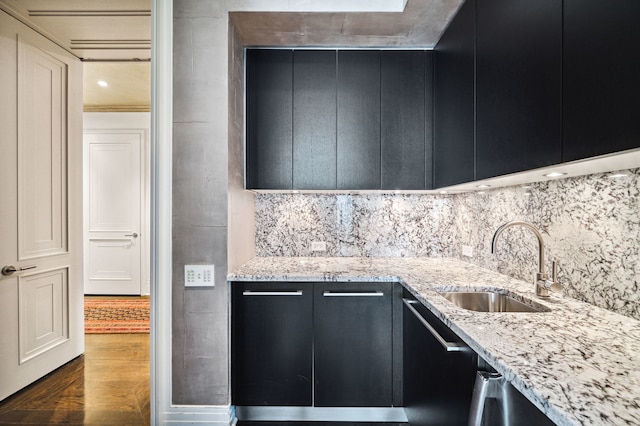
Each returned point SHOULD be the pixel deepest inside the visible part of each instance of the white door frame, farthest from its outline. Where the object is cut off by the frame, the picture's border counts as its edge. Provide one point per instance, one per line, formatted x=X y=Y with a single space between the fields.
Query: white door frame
x=101 y=121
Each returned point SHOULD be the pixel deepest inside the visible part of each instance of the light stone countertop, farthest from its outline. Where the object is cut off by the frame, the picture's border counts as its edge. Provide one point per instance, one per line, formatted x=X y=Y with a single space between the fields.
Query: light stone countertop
x=579 y=364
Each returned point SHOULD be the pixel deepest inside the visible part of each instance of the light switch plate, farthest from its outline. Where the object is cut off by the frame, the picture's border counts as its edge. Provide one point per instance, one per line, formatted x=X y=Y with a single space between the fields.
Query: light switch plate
x=318 y=246
x=467 y=251
x=199 y=275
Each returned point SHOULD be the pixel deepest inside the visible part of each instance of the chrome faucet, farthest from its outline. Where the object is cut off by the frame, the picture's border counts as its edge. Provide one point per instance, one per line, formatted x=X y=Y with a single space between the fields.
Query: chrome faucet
x=541 y=281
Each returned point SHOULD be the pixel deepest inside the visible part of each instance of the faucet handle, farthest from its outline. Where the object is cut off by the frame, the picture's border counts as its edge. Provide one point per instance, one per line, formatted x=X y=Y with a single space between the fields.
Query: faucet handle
x=553 y=284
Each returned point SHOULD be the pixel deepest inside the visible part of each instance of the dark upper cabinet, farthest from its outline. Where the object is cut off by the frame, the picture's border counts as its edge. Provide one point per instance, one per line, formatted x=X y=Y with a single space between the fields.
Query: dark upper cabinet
x=353 y=357
x=601 y=77
x=358 y=110
x=314 y=119
x=345 y=119
x=518 y=85
x=272 y=344
x=454 y=91
x=406 y=119
x=269 y=84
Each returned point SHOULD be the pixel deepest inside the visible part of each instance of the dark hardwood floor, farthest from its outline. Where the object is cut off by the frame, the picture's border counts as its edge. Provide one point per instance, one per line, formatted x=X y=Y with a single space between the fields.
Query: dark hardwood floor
x=108 y=385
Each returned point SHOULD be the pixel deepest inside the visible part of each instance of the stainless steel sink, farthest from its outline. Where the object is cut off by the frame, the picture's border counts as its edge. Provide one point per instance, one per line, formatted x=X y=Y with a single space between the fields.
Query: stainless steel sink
x=489 y=301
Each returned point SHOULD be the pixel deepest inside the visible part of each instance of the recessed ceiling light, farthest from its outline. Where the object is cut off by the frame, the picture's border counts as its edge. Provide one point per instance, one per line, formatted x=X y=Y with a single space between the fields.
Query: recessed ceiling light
x=443 y=192
x=554 y=174
x=483 y=186
x=102 y=83
x=617 y=175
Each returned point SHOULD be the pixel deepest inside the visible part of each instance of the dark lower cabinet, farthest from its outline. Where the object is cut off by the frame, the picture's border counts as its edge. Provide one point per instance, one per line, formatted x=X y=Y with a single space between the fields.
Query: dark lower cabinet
x=353 y=344
x=312 y=344
x=272 y=344
x=438 y=383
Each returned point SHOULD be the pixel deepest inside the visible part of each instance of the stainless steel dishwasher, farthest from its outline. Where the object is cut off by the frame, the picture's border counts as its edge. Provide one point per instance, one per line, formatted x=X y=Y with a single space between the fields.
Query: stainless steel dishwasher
x=496 y=402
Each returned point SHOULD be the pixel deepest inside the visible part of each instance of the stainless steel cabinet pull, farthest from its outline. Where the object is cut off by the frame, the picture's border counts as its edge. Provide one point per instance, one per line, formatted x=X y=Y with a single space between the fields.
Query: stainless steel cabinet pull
x=134 y=235
x=448 y=346
x=353 y=294
x=10 y=269
x=272 y=293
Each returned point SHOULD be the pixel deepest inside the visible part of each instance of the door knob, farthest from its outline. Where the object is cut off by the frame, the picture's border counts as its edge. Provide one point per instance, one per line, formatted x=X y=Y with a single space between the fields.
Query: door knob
x=134 y=235
x=10 y=269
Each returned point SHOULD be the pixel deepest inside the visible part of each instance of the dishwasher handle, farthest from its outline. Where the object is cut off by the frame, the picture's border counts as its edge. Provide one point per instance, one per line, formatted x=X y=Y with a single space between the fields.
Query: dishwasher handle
x=448 y=346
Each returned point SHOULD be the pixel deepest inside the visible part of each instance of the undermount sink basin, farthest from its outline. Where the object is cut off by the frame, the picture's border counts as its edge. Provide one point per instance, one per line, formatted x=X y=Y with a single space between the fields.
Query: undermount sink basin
x=489 y=301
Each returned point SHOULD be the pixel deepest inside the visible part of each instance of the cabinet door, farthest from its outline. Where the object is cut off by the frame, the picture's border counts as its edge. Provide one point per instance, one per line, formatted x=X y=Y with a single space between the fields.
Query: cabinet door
x=272 y=344
x=406 y=83
x=454 y=115
x=314 y=119
x=358 y=124
x=601 y=82
x=518 y=85
x=269 y=119
x=438 y=385
x=353 y=344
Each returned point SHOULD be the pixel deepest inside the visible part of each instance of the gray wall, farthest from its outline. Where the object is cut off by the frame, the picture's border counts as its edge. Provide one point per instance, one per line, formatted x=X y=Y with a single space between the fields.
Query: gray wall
x=213 y=217
x=200 y=202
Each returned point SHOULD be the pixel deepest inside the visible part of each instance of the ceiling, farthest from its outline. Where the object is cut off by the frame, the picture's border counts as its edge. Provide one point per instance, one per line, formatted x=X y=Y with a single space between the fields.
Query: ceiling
x=420 y=25
x=91 y=29
x=113 y=37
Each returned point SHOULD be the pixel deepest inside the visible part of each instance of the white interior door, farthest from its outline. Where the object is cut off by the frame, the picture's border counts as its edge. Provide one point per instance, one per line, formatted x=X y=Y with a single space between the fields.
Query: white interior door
x=41 y=305
x=113 y=211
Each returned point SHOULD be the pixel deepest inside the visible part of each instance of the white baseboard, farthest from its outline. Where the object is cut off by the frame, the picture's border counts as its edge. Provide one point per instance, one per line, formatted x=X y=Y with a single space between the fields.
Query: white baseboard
x=198 y=415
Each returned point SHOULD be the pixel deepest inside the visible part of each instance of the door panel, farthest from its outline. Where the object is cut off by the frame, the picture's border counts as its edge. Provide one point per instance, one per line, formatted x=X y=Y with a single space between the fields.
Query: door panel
x=41 y=307
x=43 y=312
x=114 y=211
x=41 y=158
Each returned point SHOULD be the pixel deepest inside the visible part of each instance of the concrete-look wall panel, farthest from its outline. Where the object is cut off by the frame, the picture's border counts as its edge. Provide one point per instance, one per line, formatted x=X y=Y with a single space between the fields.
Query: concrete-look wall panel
x=200 y=69
x=200 y=175
x=199 y=9
x=199 y=321
x=200 y=202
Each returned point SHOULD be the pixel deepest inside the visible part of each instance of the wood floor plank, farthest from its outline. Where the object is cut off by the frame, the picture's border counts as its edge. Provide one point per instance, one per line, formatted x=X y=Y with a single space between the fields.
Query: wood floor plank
x=108 y=385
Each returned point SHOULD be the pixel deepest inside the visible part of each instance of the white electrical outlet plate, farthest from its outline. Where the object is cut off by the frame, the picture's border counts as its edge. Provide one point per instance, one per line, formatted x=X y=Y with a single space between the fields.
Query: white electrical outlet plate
x=467 y=251
x=199 y=275
x=318 y=246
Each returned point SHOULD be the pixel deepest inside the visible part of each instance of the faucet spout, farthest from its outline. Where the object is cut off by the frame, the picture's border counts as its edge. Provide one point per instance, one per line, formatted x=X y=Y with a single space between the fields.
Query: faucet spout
x=534 y=230
x=541 y=281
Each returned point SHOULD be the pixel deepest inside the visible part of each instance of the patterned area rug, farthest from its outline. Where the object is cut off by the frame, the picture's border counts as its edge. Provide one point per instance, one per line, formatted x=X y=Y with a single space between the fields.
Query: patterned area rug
x=110 y=316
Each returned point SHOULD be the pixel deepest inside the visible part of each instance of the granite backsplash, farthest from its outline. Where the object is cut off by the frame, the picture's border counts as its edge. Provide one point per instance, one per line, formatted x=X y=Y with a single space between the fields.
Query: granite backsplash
x=590 y=224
